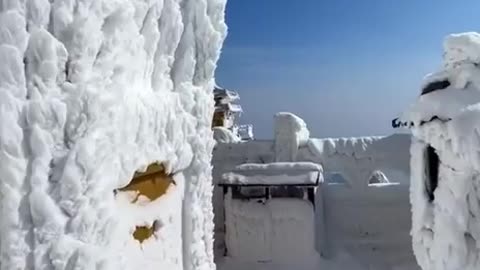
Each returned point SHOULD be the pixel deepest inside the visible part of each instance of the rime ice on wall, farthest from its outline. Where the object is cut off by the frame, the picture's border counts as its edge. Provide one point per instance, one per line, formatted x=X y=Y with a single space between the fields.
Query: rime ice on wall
x=90 y=92
x=445 y=178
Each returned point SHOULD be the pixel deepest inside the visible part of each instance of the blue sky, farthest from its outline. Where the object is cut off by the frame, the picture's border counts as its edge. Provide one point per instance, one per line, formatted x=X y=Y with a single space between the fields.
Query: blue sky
x=346 y=67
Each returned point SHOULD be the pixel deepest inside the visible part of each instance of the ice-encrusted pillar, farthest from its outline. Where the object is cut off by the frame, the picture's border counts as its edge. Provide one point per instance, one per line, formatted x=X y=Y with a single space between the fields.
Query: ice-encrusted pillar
x=290 y=133
x=92 y=91
x=445 y=160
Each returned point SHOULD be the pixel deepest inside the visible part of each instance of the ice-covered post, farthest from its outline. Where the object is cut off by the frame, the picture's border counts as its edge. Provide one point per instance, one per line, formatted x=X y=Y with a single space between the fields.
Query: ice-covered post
x=290 y=133
x=445 y=160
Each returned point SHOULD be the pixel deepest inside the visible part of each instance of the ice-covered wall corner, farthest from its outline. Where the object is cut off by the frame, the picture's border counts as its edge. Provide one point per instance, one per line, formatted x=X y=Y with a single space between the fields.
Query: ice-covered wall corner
x=445 y=163
x=90 y=92
x=291 y=132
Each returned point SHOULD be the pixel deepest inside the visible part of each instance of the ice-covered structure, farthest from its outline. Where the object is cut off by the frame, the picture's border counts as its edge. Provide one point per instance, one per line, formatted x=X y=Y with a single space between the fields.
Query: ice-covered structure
x=91 y=92
x=226 y=113
x=445 y=160
x=358 y=224
x=269 y=212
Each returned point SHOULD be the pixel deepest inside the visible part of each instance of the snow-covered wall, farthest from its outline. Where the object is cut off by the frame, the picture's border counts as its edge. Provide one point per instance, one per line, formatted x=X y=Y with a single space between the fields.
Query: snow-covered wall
x=90 y=92
x=445 y=160
x=357 y=158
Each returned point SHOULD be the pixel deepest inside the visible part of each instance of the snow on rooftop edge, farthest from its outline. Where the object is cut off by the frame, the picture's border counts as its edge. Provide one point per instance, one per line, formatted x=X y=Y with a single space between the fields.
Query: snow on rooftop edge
x=278 y=173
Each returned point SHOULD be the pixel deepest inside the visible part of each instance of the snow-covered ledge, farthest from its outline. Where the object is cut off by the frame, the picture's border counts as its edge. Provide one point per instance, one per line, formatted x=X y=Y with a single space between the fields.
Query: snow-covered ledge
x=278 y=173
x=290 y=133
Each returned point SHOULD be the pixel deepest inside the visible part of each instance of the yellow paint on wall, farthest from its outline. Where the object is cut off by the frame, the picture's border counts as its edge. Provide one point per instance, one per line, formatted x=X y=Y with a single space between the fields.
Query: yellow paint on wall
x=153 y=183
x=142 y=233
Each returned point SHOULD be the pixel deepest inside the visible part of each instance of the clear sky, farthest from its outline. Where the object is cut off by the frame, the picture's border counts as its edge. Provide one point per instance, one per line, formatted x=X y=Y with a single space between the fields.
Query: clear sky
x=347 y=67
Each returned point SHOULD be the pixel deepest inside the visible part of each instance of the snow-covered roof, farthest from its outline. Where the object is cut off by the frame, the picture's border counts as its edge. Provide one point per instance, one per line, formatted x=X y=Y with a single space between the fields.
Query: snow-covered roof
x=225 y=94
x=236 y=108
x=272 y=174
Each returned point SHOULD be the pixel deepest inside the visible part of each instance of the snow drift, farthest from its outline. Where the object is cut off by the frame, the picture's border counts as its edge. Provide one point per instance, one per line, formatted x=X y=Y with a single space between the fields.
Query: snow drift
x=445 y=160
x=90 y=92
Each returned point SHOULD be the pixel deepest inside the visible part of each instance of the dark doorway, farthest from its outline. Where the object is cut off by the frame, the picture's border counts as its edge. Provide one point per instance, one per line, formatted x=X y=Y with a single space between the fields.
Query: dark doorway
x=432 y=164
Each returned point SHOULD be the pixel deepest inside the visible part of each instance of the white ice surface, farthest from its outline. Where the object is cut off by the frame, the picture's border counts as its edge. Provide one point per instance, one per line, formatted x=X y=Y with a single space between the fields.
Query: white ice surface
x=280 y=230
x=91 y=91
x=224 y=135
x=291 y=132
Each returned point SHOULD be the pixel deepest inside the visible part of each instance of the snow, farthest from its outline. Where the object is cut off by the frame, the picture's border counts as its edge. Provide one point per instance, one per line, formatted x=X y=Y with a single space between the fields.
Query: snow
x=90 y=92
x=378 y=177
x=356 y=159
x=290 y=133
x=278 y=173
x=357 y=225
x=278 y=230
x=224 y=135
x=445 y=224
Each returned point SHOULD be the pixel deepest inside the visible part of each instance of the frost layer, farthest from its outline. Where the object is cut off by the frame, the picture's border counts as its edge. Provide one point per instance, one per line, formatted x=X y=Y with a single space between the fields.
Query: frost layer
x=446 y=222
x=90 y=92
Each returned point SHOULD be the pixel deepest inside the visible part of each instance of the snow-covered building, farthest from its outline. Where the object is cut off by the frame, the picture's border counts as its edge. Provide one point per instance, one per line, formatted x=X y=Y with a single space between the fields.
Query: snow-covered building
x=445 y=160
x=351 y=229
x=105 y=133
x=227 y=112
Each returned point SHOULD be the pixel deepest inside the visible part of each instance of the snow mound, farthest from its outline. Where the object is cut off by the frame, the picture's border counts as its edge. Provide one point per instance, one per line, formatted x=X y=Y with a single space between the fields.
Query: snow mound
x=279 y=230
x=290 y=133
x=279 y=173
x=90 y=92
x=224 y=135
x=378 y=177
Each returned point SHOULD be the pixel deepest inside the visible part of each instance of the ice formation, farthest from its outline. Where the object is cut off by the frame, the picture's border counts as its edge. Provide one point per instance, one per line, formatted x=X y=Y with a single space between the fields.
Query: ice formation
x=224 y=135
x=290 y=133
x=445 y=164
x=258 y=232
x=90 y=92
x=351 y=231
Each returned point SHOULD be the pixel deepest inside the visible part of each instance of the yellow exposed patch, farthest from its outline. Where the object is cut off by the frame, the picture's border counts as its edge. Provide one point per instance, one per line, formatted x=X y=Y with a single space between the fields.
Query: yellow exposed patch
x=142 y=233
x=153 y=183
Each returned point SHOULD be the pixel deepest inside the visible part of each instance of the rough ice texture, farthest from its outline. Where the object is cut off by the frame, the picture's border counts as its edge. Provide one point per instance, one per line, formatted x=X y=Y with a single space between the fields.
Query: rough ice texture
x=224 y=135
x=90 y=92
x=356 y=159
x=278 y=173
x=350 y=219
x=290 y=133
x=445 y=231
x=276 y=231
